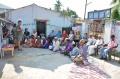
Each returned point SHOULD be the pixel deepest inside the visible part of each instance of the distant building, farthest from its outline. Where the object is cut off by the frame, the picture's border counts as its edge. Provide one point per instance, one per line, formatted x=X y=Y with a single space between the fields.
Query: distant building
x=3 y=9
x=42 y=19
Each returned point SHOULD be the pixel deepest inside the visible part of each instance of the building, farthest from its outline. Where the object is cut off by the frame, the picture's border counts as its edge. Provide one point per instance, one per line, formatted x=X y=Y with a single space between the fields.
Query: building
x=3 y=9
x=42 y=19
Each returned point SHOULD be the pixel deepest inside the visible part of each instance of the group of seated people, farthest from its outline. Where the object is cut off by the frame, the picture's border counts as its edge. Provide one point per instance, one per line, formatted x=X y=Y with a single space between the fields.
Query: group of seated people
x=72 y=45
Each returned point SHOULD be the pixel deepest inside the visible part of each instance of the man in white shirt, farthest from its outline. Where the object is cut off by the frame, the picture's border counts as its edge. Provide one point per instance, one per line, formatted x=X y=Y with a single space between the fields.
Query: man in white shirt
x=99 y=41
x=56 y=45
x=90 y=40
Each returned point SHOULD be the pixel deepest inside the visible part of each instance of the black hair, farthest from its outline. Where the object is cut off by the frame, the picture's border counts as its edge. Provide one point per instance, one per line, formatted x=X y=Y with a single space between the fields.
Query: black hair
x=26 y=29
x=112 y=36
x=68 y=40
x=32 y=36
x=14 y=25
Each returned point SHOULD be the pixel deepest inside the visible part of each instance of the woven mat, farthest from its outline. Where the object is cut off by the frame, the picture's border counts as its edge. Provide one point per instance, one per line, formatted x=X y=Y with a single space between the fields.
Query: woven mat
x=93 y=71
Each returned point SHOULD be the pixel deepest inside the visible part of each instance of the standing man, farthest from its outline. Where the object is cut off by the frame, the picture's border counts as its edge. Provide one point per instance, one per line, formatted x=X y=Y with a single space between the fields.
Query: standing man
x=19 y=34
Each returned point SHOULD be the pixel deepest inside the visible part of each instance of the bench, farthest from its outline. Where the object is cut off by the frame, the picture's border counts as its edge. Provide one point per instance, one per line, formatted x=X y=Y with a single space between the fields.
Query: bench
x=114 y=53
x=7 y=49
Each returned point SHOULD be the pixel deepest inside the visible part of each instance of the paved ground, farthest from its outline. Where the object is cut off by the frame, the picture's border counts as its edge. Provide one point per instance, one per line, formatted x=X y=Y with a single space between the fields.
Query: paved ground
x=44 y=64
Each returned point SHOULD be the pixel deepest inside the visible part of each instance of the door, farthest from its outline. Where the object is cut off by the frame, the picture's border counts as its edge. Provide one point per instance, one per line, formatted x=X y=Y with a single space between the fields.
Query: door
x=41 y=28
x=68 y=29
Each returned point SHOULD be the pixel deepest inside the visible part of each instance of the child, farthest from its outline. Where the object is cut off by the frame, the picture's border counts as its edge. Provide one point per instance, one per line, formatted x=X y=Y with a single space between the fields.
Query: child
x=33 y=41
x=38 y=42
x=27 y=42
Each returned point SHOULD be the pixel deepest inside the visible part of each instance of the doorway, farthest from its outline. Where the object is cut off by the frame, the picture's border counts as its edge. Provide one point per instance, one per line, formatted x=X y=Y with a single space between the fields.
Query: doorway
x=41 y=28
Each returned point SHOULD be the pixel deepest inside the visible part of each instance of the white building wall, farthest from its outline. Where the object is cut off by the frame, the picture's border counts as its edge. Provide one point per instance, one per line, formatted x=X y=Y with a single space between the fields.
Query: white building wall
x=55 y=17
x=108 y=26
x=30 y=13
x=84 y=28
x=23 y=13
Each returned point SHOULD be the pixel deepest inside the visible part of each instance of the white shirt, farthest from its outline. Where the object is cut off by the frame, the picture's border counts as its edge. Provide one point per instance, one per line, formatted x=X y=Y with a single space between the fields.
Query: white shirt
x=98 y=42
x=70 y=36
x=56 y=44
x=90 y=41
x=27 y=40
x=35 y=34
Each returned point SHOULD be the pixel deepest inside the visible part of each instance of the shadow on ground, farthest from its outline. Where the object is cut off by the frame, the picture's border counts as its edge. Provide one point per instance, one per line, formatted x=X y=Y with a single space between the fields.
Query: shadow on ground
x=113 y=61
x=33 y=58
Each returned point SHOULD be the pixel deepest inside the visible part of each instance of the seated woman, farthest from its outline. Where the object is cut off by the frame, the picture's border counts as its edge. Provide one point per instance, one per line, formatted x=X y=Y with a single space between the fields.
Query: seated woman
x=99 y=41
x=33 y=41
x=38 y=42
x=85 y=37
x=91 y=40
x=71 y=35
x=56 y=45
x=58 y=34
x=44 y=43
x=68 y=47
x=77 y=37
x=63 y=36
x=34 y=33
x=27 y=42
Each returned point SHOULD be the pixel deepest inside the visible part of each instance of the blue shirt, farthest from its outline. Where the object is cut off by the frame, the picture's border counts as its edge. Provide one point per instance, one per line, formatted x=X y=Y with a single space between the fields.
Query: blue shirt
x=52 y=34
x=75 y=51
x=58 y=35
x=83 y=50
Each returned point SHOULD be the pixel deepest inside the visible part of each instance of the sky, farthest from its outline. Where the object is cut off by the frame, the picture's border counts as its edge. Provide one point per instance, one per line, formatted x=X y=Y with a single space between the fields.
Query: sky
x=77 y=5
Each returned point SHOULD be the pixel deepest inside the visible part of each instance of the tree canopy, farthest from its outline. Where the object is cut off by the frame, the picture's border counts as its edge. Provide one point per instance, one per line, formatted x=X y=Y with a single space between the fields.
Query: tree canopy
x=57 y=6
x=116 y=10
x=67 y=12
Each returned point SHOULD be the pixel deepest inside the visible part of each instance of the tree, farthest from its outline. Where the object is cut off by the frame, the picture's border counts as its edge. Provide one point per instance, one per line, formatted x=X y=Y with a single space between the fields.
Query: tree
x=70 y=13
x=115 y=1
x=57 y=6
x=67 y=12
x=116 y=10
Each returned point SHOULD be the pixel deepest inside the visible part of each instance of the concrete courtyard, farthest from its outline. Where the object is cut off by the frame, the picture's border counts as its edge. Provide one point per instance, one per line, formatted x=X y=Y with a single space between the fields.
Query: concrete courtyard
x=35 y=63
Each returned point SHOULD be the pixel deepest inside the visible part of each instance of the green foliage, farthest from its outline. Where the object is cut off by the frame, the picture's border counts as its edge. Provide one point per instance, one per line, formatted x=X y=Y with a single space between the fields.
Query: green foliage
x=57 y=6
x=70 y=13
x=67 y=12
x=115 y=14
x=115 y=10
x=115 y=1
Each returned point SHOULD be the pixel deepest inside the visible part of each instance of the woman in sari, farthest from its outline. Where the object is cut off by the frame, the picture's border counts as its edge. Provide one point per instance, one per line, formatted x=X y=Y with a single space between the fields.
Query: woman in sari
x=44 y=43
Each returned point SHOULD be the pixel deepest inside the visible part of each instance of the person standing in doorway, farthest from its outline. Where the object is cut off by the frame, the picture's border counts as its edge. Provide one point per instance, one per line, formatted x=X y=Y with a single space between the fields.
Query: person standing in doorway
x=19 y=34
